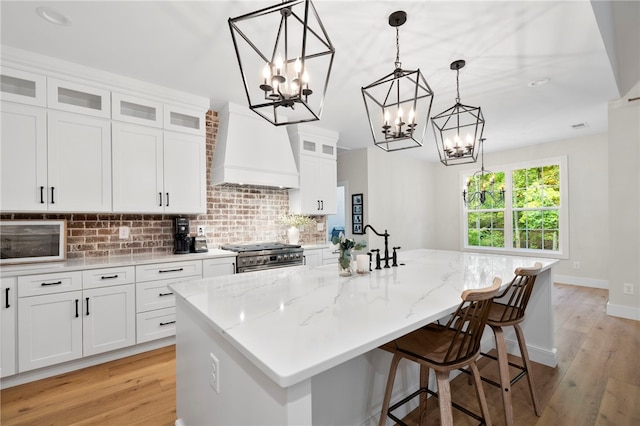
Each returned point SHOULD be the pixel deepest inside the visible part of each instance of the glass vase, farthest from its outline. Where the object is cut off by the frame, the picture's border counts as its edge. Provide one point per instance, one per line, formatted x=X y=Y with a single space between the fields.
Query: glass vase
x=344 y=263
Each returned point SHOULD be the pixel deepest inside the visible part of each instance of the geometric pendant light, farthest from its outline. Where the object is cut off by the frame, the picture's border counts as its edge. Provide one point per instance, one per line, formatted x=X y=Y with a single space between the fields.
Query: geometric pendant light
x=398 y=104
x=458 y=129
x=285 y=58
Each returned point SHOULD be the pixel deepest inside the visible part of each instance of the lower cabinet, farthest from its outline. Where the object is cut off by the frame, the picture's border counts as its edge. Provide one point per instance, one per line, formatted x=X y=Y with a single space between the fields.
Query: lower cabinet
x=8 y=326
x=313 y=257
x=156 y=324
x=58 y=326
x=218 y=266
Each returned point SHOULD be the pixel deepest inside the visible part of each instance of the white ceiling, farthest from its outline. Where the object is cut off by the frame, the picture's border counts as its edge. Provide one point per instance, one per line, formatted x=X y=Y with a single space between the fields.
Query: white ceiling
x=187 y=46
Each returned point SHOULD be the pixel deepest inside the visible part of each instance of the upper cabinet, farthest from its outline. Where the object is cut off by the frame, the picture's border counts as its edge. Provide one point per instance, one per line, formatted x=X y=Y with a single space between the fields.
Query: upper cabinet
x=70 y=144
x=23 y=87
x=315 y=153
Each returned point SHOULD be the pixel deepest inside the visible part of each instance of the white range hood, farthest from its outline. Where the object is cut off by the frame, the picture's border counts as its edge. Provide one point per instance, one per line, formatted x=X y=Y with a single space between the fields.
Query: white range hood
x=250 y=151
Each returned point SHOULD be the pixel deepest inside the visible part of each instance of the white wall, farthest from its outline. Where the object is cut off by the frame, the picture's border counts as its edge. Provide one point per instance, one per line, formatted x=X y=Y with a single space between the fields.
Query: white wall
x=624 y=205
x=398 y=194
x=588 y=207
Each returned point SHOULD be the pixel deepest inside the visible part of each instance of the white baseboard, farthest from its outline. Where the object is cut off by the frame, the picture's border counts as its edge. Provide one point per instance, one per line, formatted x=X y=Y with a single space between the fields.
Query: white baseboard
x=581 y=281
x=621 y=311
x=536 y=354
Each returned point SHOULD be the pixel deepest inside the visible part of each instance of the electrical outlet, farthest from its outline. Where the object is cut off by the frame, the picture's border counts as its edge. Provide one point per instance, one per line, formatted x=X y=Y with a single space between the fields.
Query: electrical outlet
x=214 y=373
x=123 y=232
x=200 y=229
x=320 y=226
x=576 y=265
x=627 y=288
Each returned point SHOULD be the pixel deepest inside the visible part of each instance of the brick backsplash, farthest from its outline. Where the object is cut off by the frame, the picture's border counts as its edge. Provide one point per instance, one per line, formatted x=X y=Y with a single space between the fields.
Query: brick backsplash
x=235 y=214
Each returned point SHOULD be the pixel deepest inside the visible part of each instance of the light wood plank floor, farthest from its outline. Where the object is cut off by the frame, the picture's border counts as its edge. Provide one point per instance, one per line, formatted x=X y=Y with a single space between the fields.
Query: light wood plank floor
x=597 y=381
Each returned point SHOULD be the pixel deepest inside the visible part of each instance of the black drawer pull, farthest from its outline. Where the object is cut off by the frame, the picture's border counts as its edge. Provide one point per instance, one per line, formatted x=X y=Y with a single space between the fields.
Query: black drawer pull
x=165 y=294
x=170 y=270
x=87 y=306
x=160 y=194
x=42 y=195
x=6 y=303
x=53 y=201
x=108 y=277
x=56 y=283
x=167 y=323
x=167 y=199
x=77 y=315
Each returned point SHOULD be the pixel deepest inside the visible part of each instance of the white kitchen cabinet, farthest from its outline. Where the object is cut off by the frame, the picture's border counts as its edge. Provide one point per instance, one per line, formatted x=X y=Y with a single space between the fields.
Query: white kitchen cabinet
x=109 y=318
x=132 y=109
x=79 y=163
x=185 y=173
x=8 y=326
x=330 y=256
x=155 y=302
x=184 y=120
x=23 y=87
x=218 y=266
x=315 y=153
x=156 y=171
x=313 y=257
x=23 y=158
x=50 y=329
x=79 y=98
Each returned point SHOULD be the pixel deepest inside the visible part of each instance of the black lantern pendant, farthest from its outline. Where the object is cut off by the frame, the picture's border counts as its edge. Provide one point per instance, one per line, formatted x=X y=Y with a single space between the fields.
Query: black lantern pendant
x=399 y=103
x=285 y=58
x=458 y=129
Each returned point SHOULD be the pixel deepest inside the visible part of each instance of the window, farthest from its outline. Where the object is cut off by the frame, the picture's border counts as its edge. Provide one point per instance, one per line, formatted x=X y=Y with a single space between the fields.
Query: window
x=523 y=210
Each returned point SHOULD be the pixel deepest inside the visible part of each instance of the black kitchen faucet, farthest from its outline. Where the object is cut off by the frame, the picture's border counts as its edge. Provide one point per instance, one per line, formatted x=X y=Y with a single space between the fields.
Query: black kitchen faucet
x=386 y=257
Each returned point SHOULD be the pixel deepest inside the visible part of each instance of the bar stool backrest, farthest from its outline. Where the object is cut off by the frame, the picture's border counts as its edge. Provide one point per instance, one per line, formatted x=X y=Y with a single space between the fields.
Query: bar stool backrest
x=518 y=293
x=467 y=323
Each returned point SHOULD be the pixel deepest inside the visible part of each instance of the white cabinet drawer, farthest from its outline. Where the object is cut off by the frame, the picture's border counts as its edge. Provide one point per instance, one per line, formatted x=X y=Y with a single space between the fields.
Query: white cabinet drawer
x=218 y=267
x=152 y=295
x=156 y=324
x=159 y=271
x=104 y=277
x=33 y=285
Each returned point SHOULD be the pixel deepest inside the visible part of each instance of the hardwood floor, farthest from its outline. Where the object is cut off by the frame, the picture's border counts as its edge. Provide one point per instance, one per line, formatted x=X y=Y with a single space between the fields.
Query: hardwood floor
x=597 y=381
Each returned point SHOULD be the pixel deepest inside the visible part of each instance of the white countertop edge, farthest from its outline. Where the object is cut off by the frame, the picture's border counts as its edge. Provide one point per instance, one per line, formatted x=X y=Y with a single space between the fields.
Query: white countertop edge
x=108 y=262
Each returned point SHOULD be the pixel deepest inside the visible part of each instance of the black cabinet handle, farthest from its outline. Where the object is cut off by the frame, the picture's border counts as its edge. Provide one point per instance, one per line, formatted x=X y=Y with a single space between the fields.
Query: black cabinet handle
x=42 y=195
x=53 y=201
x=167 y=199
x=321 y=204
x=171 y=270
x=77 y=314
x=165 y=294
x=160 y=194
x=6 y=302
x=167 y=323
x=234 y=267
x=56 y=283
x=108 y=277
x=87 y=306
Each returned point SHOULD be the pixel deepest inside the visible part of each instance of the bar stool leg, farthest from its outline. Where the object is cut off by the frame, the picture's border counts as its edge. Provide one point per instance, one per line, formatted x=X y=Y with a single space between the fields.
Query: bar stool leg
x=527 y=365
x=389 y=389
x=482 y=400
x=424 y=384
x=444 y=398
x=505 y=377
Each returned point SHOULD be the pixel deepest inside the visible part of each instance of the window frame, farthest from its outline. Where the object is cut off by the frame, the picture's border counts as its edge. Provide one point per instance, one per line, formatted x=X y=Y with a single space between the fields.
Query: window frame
x=563 y=211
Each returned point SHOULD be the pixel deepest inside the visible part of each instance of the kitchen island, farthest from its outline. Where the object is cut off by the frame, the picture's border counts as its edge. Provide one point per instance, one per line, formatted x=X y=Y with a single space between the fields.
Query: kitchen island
x=298 y=345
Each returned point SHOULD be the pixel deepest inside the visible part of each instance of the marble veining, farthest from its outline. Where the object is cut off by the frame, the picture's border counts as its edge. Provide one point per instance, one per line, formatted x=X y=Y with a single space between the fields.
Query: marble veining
x=298 y=321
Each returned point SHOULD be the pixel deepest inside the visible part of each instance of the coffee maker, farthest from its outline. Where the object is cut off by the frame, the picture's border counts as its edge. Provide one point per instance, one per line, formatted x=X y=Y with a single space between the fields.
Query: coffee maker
x=182 y=238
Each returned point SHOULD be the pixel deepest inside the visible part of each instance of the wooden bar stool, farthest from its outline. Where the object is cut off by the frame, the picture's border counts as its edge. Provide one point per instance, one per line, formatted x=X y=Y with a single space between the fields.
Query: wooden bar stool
x=444 y=348
x=508 y=309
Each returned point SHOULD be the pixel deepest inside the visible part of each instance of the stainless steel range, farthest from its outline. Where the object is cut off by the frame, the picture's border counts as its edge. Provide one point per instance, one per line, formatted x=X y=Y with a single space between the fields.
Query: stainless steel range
x=261 y=256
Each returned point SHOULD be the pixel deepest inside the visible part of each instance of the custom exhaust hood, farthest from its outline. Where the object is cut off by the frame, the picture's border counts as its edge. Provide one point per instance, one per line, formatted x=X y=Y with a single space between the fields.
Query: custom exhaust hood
x=250 y=151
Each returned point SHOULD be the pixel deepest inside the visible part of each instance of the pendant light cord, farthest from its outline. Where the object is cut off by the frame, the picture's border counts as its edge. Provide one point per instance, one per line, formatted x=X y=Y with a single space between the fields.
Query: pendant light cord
x=398 y=63
x=457 y=85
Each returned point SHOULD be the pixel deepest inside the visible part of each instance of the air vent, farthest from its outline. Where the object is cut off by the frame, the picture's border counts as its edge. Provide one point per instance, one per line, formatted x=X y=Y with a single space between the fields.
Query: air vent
x=580 y=126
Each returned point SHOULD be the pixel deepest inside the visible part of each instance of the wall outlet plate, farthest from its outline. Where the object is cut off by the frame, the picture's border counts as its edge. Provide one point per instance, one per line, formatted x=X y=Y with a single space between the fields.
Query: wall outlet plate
x=123 y=232
x=627 y=288
x=320 y=226
x=214 y=373
x=200 y=229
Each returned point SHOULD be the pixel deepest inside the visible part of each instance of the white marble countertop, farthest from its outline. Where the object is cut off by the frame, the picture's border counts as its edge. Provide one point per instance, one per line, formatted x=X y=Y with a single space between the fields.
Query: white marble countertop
x=296 y=322
x=108 y=262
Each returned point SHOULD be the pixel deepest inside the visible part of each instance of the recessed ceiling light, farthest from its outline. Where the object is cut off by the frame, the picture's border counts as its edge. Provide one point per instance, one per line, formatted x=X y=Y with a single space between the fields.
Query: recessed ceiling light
x=536 y=83
x=53 y=16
